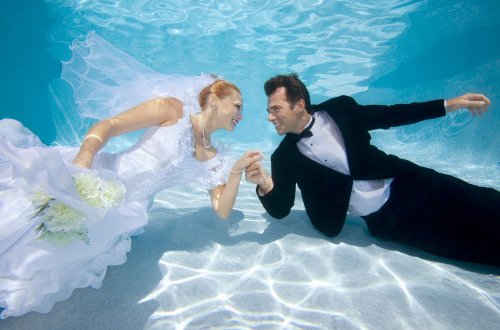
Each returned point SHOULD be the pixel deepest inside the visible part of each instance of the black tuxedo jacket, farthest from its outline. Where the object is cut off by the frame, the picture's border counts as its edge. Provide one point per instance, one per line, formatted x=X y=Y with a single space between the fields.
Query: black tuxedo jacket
x=325 y=192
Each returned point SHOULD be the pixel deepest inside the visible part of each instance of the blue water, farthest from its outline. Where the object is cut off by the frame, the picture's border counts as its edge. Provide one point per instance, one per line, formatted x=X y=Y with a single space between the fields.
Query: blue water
x=385 y=52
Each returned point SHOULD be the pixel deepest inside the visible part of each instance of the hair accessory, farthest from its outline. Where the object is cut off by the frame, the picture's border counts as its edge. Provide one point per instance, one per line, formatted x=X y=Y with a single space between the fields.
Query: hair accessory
x=216 y=77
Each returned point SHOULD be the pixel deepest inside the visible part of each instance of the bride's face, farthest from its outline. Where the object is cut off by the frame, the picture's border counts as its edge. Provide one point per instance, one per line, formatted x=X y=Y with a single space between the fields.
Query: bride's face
x=229 y=110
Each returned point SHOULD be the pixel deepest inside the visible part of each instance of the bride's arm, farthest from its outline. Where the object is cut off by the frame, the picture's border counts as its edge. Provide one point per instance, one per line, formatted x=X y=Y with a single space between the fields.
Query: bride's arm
x=159 y=111
x=224 y=196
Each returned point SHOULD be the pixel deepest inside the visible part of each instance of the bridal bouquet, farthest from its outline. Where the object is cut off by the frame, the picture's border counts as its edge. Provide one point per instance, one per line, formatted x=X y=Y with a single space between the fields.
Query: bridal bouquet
x=60 y=223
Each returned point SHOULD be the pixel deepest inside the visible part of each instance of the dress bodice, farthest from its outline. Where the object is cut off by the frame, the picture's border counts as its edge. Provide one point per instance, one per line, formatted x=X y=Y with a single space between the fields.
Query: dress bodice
x=162 y=158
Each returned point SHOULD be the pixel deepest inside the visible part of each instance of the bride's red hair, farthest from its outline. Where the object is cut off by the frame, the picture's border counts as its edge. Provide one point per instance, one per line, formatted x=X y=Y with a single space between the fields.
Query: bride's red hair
x=221 y=88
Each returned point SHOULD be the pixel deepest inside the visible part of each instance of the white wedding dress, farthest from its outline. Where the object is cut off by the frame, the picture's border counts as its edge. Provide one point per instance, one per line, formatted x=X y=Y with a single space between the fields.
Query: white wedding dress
x=34 y=273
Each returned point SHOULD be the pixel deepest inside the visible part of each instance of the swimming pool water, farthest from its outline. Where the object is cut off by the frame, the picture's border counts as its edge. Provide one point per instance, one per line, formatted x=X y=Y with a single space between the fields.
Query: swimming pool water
x=384 y=52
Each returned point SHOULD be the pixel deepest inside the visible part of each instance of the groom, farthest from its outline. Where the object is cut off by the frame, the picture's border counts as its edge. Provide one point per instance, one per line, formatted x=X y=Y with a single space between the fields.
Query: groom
x=327 y=153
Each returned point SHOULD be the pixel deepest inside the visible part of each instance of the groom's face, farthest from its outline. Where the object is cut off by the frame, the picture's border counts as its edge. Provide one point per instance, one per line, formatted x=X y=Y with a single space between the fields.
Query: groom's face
x=284 y=115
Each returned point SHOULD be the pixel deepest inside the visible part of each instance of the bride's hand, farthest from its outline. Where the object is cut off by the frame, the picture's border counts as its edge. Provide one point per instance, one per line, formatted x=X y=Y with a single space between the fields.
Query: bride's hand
x=248 y=158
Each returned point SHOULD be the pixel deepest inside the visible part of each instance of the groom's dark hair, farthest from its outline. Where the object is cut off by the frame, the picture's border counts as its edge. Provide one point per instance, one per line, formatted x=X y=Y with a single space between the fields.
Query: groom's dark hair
x=295 y=89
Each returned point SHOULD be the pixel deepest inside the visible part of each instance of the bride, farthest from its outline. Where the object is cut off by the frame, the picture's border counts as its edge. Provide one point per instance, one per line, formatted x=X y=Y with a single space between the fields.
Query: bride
x=67 y=213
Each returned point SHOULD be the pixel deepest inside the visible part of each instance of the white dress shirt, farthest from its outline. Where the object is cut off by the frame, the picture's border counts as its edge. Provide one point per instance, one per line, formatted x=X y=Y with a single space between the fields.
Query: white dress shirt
x=326 y=146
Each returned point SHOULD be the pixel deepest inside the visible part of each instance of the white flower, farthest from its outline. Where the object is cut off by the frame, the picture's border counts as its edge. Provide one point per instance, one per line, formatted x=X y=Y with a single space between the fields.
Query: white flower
x=40 y=197
x=60 y=223
x=98 y=193
x=89 y=188
x=112 y=193
x=61 y=217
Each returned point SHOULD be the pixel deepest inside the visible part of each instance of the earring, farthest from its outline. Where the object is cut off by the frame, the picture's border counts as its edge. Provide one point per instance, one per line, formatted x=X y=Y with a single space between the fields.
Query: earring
x=214 y=108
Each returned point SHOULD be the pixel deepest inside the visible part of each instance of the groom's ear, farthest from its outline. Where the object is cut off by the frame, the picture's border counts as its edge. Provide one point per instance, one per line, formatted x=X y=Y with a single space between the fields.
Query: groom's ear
x=300 y=105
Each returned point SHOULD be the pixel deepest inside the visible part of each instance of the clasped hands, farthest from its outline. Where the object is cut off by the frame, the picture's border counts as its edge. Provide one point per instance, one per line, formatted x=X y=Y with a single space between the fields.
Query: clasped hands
x=251 y=163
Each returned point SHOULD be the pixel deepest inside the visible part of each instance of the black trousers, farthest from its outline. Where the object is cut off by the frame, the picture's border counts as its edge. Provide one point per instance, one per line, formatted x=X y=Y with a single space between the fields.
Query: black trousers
x=442 y=215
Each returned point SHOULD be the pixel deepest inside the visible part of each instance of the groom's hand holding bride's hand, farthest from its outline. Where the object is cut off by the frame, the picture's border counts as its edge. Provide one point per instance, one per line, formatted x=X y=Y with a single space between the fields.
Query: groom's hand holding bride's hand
x=256 y=173
x=248 y=158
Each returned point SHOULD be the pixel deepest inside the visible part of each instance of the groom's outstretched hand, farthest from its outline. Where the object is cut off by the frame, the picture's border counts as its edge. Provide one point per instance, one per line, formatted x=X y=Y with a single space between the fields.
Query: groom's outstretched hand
x=255 y=173
x=477 y=104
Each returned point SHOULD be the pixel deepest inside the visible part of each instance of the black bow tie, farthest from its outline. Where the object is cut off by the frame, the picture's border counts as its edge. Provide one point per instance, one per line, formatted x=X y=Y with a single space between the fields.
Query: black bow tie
x=305 y=133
